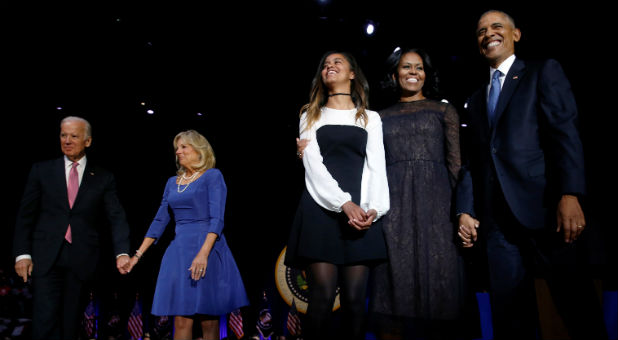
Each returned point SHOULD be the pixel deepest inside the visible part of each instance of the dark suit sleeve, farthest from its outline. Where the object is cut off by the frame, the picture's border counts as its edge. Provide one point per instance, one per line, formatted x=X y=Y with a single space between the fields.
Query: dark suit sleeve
x=27 y=214
x=116 y=217
x=464 y=195
x=559 y=110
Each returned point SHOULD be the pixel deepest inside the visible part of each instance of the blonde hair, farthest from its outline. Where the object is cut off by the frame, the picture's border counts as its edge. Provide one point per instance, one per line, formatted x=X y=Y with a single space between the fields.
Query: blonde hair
x=200 y=144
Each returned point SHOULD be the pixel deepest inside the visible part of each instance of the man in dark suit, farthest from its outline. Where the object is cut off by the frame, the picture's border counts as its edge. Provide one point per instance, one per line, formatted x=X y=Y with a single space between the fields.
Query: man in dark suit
x=58 y=229
x=522 y=187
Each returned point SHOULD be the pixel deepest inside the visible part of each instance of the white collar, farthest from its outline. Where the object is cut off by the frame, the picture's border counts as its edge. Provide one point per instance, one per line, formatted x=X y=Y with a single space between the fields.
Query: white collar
x=504 y=67
x=68 y=163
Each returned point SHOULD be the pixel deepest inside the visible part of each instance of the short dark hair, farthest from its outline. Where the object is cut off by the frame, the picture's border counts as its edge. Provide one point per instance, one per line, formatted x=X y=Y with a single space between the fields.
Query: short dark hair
x=506 y=15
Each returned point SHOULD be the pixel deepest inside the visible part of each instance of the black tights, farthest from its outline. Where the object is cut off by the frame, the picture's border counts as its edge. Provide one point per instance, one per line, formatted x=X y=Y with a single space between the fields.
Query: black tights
x=323 y=280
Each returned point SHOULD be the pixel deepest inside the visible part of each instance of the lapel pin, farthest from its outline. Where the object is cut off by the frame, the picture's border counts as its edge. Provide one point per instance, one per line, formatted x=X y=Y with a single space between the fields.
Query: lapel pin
x=515 y=77
x=92 y=174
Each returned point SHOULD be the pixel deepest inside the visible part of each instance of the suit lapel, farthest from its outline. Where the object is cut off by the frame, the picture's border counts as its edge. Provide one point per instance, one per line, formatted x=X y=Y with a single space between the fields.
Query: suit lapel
x=60 y=176
x=83 y=186
x=511 y=82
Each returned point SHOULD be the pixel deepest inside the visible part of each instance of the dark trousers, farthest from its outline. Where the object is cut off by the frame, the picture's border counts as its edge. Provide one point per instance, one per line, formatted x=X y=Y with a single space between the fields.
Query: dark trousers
x=515 y=256
x=57 y=301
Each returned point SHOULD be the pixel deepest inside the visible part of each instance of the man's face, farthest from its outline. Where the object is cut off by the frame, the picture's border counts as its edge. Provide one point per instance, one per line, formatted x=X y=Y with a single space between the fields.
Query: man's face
x=73 y=141
x=496 y=37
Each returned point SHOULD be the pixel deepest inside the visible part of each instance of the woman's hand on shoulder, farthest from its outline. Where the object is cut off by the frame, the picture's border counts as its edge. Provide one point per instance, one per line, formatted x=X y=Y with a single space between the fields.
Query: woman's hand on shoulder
x=301 y=144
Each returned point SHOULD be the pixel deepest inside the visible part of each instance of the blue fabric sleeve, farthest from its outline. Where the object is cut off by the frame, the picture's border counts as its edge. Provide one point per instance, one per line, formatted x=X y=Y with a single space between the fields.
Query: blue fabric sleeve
x=216 y=197
x=162 y=218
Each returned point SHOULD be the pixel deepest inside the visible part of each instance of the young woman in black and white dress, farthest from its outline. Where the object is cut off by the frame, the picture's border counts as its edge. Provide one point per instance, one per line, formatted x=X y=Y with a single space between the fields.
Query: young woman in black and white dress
x=336 y=235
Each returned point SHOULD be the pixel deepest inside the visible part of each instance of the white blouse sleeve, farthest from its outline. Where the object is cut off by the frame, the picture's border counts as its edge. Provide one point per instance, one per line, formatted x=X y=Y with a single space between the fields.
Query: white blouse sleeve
x=321 y=185
x=374 y=185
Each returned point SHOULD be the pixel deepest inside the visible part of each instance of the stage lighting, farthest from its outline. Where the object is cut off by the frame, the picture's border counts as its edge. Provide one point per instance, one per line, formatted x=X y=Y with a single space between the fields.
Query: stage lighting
x=370 y=28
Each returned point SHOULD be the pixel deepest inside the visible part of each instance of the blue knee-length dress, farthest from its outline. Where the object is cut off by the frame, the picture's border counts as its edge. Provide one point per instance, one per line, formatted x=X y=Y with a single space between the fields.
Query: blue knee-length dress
x=197 y=211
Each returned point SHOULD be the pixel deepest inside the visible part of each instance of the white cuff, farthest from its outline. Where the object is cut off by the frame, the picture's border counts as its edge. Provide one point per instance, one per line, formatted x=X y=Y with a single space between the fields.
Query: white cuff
x=23 y=257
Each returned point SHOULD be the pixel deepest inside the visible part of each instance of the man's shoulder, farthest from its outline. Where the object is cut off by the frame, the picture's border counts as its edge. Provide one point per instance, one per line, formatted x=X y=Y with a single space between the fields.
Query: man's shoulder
x=47 y=163
x=538 y=63
x=95 y=168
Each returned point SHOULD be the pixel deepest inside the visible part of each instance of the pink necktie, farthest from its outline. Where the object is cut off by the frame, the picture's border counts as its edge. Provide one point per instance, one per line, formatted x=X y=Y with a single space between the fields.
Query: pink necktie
x=72 y=188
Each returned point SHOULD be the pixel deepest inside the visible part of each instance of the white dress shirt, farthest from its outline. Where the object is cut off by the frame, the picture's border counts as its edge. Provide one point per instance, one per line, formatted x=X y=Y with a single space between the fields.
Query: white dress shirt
x=68 y=164
x=504 y=67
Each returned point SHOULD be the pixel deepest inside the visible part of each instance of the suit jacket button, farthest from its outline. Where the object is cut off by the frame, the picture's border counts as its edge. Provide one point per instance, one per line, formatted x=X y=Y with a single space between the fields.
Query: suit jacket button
x=493 y=150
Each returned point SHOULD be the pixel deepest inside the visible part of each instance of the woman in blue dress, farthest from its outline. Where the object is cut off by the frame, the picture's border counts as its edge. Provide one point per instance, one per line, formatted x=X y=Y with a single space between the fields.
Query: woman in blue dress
x=198 y=278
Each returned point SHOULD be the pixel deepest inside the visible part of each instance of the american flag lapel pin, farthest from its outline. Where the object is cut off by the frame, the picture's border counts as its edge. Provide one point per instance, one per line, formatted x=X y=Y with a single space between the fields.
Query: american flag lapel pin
x=515 y=77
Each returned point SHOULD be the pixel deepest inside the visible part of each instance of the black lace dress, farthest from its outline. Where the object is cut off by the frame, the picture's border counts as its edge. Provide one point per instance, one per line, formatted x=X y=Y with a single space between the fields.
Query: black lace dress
x=424 y=277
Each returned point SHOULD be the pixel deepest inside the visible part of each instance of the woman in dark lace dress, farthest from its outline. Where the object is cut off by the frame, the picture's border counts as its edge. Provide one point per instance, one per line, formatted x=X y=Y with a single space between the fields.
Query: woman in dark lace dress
x=420 y=292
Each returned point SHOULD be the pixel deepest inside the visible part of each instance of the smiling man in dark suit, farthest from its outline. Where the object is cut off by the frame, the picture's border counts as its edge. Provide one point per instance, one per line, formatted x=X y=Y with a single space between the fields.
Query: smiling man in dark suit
x=522 y=187
x=58 y=228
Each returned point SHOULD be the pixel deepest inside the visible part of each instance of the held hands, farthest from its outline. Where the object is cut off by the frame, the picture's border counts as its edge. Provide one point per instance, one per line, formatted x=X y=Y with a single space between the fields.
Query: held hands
x=467 y=230
x=198 y=266
x=357 y=217
x=570 y=218
x=24 y=268
x=123 y=264
x=132 y=262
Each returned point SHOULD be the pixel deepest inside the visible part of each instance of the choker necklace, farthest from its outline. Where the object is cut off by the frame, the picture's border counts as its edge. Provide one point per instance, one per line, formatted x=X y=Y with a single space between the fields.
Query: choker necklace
x=188 y=179
x=339 y=94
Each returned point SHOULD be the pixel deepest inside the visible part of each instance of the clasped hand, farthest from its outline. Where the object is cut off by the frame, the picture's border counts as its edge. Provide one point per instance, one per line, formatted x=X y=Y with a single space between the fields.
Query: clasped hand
x=467 y=230
x=123 y=264
x=358 y=218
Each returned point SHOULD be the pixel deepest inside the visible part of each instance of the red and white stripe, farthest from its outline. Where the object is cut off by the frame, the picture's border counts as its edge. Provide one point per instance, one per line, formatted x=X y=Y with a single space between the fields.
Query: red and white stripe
x=235 y=323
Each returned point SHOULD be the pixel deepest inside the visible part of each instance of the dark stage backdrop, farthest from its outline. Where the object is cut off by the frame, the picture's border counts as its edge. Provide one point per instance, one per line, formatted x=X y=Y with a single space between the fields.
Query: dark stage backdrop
x=239 y=73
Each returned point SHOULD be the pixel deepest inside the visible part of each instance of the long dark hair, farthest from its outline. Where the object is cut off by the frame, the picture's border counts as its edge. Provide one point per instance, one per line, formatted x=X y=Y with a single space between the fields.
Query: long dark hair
x=431 y=88
x=359 y=90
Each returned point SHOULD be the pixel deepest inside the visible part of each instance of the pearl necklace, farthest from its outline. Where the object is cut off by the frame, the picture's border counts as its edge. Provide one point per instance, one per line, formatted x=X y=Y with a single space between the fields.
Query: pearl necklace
x=187 y=179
